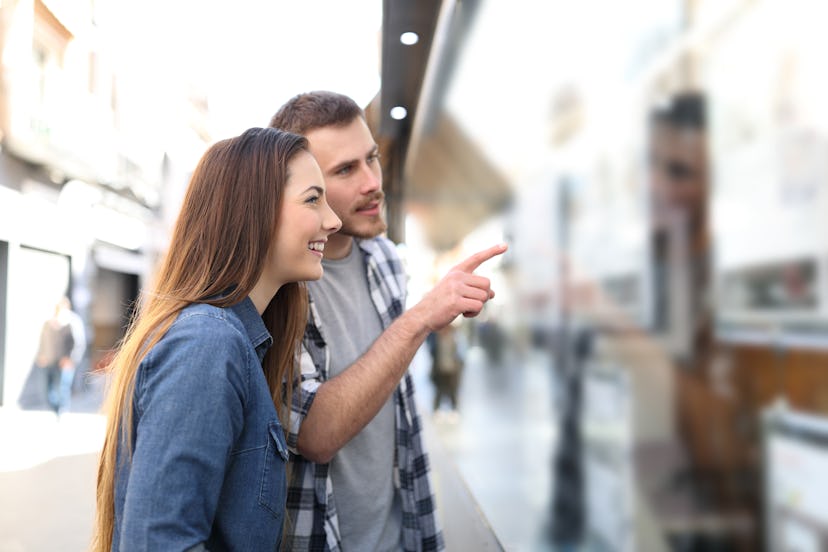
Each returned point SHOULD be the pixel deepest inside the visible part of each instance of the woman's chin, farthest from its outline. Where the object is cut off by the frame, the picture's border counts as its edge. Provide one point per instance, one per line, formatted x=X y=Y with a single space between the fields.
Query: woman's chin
x=317 y=274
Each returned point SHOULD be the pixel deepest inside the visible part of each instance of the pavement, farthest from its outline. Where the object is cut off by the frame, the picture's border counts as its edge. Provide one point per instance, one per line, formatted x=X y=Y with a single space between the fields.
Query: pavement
x=47 y=479
x=48 y=470
x=502 y=440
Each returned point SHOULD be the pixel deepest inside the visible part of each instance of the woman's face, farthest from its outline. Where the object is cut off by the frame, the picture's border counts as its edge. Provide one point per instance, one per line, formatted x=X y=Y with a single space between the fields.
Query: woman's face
x=305 y=222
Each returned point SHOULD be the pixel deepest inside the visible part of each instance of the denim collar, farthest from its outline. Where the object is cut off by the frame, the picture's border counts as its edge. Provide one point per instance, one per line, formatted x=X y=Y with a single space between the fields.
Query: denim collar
x=254 y=326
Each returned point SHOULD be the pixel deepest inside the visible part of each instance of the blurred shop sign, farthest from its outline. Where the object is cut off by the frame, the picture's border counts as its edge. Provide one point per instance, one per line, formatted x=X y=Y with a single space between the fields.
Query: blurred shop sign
x=118 y=260
x=117 y=228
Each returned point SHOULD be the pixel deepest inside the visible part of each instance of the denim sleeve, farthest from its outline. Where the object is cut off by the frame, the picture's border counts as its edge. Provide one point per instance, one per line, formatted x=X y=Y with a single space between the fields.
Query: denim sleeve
x=190 y=398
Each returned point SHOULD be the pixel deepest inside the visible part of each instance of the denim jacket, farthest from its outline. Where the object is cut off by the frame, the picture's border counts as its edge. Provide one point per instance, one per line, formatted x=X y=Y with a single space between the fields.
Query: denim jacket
x=208 y=464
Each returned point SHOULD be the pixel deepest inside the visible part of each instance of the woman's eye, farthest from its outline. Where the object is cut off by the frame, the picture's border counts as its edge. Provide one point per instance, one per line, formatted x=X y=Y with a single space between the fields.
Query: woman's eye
x=312 y=199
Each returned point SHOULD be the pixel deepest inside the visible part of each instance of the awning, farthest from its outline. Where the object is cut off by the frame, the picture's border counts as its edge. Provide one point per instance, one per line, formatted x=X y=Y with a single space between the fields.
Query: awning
x=450 y=185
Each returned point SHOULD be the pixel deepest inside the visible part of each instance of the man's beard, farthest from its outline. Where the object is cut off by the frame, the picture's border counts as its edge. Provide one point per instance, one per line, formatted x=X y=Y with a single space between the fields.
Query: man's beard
x=360 y=231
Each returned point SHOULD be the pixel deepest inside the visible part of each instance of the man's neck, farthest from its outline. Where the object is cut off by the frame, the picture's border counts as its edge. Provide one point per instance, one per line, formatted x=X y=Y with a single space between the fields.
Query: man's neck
x=338 y=246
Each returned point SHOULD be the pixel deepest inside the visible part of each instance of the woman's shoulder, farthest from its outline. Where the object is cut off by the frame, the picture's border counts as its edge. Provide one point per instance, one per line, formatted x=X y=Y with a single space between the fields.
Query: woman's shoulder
x=204 y=335
x=204 y=315
x=209 y=325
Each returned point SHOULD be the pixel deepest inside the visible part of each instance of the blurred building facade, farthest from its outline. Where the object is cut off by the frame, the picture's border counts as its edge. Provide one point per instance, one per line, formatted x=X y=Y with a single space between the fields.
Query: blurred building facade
x=91 y=173
x=665 y=192
x=699 y=331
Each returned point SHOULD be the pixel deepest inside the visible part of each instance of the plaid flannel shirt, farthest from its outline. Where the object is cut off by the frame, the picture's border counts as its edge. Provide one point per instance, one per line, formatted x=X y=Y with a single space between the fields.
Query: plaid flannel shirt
x=313 y=523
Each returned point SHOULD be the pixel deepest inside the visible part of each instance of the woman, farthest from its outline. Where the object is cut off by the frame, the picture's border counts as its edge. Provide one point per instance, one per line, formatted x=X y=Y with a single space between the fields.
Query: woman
x=194 y=455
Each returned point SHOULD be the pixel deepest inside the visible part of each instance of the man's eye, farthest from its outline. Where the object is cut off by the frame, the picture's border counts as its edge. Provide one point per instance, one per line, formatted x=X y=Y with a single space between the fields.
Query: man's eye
x=344 y=170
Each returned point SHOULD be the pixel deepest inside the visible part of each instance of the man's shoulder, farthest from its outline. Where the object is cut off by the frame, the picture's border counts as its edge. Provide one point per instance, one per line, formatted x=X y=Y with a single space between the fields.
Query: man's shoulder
x=387 y=273
x=380 y=247
x=383 y=255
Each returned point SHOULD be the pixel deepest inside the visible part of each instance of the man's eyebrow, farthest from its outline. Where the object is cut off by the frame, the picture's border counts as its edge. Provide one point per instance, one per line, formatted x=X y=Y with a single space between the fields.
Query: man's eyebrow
x=342 y=164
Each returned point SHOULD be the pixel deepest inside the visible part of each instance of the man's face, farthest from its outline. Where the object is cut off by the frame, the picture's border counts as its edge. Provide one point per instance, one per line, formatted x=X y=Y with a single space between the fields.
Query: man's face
x=678 y=173
x=349 y=159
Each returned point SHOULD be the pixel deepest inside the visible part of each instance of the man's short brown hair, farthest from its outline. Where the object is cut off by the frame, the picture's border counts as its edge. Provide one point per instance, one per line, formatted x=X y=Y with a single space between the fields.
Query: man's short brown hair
x=312 y=110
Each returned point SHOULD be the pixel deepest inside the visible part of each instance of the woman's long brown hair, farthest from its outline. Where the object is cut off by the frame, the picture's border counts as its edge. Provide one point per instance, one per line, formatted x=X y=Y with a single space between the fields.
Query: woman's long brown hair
x=216 y=255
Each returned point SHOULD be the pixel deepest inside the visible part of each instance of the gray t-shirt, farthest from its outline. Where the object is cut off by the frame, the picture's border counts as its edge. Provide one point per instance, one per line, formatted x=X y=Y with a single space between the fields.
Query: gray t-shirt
x=370 y=515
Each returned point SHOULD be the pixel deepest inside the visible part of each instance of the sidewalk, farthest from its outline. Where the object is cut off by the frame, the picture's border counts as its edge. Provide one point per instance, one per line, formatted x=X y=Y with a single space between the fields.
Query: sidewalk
x=47 y=479
x=502 y=441
x=48 y=470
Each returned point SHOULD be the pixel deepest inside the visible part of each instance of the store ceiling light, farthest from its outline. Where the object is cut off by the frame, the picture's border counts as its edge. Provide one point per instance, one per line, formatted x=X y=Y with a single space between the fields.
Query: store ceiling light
x=409 y=39
x=399 y=112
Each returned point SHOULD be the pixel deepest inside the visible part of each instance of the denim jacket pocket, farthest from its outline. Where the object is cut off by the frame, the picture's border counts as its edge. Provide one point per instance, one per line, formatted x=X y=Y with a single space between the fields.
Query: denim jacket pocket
x=273 y=492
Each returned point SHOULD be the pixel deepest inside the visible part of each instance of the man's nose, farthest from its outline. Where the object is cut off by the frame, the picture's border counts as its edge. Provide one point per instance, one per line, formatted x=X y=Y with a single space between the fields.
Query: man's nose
x=370 y=181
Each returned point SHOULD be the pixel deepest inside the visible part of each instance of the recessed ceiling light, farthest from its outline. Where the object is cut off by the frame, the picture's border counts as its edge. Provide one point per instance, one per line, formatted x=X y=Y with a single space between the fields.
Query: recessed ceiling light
x=409 y=39
x=399 y=112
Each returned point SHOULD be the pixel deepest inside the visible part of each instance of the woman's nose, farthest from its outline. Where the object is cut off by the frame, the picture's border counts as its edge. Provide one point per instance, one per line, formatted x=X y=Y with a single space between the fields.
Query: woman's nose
x=332 y=223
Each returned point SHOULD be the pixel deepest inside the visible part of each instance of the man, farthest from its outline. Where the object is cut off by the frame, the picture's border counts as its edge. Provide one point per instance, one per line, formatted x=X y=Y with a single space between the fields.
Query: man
x=678 y=165
x=61 y=348
x=447 y=347
x=680 y=235
x=359 y=471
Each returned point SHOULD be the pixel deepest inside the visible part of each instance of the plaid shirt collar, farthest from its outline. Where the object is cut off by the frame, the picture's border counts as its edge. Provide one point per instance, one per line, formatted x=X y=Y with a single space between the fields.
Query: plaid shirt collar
x=310 y=504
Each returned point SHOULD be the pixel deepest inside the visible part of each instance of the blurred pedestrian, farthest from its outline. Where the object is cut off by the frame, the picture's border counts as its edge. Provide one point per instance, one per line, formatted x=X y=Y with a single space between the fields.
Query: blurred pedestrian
x=61 y=348
x=194 y=455
x=681 y=244
x=360 y=471
x=447 y=361
x=492 y=339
